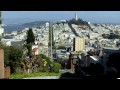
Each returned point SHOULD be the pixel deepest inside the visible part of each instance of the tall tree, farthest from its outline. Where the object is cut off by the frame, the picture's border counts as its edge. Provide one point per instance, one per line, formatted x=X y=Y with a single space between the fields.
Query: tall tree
x=29 y=48
x=30 y=37
x=30 y=40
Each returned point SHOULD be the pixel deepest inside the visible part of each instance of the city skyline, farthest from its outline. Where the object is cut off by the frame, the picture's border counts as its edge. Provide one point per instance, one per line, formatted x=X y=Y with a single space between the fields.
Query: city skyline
x=29 y=16
x=72 y=49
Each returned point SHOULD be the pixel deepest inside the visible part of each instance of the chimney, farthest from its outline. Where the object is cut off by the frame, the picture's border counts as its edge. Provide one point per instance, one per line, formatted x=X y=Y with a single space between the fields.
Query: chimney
x=1 y=63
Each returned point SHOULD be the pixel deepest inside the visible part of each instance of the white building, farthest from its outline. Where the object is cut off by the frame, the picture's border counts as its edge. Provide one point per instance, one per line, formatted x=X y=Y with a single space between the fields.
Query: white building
x=93 y=35
x=1 y=30
x=47 y=25
x=14 y=32
x=13 y=42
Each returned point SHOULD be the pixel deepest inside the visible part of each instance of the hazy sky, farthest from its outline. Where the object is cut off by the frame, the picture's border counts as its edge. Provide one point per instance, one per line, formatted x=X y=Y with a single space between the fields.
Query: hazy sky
x=92 y=16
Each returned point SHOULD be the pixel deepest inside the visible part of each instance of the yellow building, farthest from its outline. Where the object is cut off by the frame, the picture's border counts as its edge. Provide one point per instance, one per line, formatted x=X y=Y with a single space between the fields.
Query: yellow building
x=78 y=44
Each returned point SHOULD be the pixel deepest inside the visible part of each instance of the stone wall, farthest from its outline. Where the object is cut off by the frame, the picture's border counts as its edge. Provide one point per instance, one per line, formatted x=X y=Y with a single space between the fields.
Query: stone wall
x=1 y=63
x=7 y=72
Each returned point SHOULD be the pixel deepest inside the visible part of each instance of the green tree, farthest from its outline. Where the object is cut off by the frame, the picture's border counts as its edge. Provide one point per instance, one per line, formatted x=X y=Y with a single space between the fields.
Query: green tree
x=56 y=67
x=78 y=22
x=6 y=55
x=15 y=57
x=43 y=56
x=105 y=35
x=29 y=48
x=30 y=37
x=61 y=47
x=1 y=45
x=30 y=40
x=12 y=56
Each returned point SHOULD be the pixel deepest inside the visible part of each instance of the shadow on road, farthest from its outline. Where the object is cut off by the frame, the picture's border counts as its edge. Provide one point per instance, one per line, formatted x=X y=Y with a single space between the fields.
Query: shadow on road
x=74 y=76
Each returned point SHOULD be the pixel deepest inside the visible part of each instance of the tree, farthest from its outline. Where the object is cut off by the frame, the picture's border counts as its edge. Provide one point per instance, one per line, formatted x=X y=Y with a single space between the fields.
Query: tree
x=61 y=47
x=105 y=35
x=30 y=37
x=1 y=45
x=15 y=57
x=113 y=36
x=29 y=48
x=43 y=56
x=6 y=56
x=12 y=57
x=78 y=22
x=30 y=40
x=56 y=67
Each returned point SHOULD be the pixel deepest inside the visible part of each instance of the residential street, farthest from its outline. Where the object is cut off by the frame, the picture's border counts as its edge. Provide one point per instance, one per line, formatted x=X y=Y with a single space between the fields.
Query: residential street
x=52 y=77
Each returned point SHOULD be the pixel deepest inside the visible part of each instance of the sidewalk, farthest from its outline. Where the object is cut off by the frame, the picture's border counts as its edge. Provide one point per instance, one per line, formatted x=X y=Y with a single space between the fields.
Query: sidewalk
x=44 y=77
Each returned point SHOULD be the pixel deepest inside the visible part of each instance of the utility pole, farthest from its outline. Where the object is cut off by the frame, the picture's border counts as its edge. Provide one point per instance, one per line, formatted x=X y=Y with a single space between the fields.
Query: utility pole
x=51 y=39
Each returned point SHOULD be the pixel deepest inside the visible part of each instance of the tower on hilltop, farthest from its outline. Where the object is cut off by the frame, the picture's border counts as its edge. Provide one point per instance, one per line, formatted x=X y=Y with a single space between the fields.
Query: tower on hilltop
x=76 y=17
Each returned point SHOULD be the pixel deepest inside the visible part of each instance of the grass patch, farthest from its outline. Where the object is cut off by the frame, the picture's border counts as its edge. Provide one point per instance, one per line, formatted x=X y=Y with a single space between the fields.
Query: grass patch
x=20 y=76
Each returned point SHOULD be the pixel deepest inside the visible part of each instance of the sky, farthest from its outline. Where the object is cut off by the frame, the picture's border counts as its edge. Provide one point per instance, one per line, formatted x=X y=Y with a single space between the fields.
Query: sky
x=91 y=16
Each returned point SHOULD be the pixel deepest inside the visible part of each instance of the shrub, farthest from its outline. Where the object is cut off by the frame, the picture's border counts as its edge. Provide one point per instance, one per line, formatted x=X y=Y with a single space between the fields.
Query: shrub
x=61 y=47
x=56 y=67
x=43 y=56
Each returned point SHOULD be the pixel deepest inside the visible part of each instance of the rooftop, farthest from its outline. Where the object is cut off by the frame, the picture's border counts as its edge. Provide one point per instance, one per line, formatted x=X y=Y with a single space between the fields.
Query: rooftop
x=94 y=58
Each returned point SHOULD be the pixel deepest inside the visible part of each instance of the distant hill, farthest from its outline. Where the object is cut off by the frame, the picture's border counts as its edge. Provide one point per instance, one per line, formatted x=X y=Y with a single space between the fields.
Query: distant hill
x=16 y=27
x=34 y=24
x=78 y=22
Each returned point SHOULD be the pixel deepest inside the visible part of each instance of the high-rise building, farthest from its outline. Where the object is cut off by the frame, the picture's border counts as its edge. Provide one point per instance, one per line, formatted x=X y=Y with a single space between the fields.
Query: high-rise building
x=78 y=44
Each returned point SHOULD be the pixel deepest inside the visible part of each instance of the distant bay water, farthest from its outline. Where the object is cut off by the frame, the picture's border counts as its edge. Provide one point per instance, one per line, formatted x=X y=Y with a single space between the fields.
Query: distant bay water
x=18 y=27
x=10 y=28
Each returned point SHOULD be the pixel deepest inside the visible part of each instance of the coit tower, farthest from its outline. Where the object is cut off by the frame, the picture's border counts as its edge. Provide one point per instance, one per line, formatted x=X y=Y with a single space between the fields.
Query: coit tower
x=76 y=17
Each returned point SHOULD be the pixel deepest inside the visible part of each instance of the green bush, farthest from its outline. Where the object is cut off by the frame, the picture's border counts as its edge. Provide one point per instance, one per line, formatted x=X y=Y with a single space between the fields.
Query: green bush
x=61 y=47
x=56 y=67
